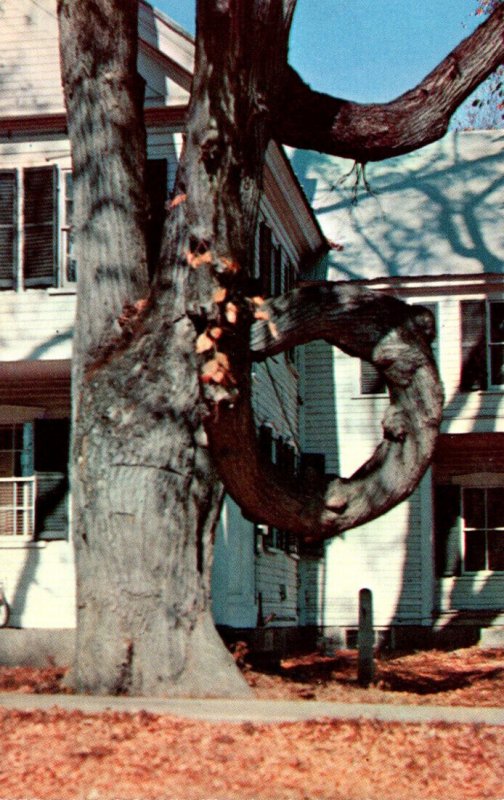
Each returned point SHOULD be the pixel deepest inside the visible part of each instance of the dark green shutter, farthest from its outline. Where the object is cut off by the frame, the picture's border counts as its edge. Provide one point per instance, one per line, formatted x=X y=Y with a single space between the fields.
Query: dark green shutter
x=39 y=226
x=51 y=506
x=447 y=508
x=7 y=229
x=51 y=468
x=474 y=345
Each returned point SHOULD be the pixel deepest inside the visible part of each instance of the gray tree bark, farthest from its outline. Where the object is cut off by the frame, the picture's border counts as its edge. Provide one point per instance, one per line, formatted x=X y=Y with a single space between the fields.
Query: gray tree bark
x=161 y=405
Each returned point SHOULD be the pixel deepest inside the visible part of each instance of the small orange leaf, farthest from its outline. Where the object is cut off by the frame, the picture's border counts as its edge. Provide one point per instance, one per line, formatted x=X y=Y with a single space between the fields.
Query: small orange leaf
x=231 y=266
x=215 y=333
x=180 y=198
x=196 y=260
x=213 y=372
x=204 y=343
x=231 y=313
x=141 y=305
x=219 y=295
x=222 y=360
x=258 y=301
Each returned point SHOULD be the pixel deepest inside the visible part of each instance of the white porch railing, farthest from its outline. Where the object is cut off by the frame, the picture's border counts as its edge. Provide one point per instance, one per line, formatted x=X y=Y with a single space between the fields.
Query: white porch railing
x=17 y=507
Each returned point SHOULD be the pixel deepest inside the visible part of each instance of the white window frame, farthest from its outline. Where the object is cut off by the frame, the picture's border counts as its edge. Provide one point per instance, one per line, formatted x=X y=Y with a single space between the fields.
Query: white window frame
x=22 y=498
x=484 y=530
x=489 y=302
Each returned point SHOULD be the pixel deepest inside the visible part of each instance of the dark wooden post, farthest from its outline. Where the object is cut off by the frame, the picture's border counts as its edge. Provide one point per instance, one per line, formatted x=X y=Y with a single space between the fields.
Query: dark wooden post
x=365 y=670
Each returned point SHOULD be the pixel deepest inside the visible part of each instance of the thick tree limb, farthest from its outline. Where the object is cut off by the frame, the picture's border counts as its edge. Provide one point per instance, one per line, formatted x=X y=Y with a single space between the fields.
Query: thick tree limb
x=396 y=339
x=370 y=132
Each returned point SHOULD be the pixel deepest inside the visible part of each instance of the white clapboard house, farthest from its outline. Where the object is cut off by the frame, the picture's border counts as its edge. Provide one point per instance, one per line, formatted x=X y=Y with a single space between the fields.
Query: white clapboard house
x=429 y=231
x=257 y=571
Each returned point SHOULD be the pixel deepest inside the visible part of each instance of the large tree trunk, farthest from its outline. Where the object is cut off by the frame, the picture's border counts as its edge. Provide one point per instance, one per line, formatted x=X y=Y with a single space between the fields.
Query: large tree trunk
x=146 y=497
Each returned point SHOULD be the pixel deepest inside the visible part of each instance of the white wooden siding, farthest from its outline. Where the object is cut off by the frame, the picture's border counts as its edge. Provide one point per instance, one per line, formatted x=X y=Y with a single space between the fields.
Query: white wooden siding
x=30 y=66
x=36 y=325
x=39 y=583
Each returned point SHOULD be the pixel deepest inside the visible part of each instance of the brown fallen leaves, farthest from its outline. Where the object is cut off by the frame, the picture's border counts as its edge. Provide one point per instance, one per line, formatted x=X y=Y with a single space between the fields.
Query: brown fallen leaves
x=62 y=755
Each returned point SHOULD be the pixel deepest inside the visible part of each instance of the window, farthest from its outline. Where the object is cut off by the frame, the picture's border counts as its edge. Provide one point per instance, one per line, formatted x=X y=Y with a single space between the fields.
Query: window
x=483 y=529
x=469 y=529
x=482 y=344
x=275 y=275
x=68 y=262
x=34 y=479
x=283 y=454
x=17 y=483
x=29 y=237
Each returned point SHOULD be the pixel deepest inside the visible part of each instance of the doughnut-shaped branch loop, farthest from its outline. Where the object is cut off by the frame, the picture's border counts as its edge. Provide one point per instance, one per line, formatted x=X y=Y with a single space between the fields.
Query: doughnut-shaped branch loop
x=396 y=339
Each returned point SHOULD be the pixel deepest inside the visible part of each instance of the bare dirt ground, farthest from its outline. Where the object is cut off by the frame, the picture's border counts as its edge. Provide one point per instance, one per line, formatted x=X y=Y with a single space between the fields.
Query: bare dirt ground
x=61 y=756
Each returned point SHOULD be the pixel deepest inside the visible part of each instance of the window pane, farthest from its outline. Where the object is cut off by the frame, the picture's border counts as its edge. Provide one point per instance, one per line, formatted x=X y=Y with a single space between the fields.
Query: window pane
x=497 y=322
x=474 y=371
x=497 y=364
x=496 y=550
x=474 y=508
x=495 y=501
x=474 y=558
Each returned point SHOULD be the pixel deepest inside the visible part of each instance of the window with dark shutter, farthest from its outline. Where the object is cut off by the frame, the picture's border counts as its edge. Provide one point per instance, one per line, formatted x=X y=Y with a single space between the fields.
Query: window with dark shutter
x=51 y=467
x=7 y=229
x=39 y=226
x=447 y=510
x=473 y=336
x=265 y=253
x=156 y=179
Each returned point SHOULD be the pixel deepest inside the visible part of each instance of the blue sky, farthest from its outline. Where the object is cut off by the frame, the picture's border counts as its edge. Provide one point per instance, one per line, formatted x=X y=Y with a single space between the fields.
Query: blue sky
x=365 y=50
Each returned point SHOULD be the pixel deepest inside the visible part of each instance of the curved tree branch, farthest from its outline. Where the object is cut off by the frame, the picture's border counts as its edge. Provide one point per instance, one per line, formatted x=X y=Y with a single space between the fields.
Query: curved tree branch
x=396 y=338
x=371 y=132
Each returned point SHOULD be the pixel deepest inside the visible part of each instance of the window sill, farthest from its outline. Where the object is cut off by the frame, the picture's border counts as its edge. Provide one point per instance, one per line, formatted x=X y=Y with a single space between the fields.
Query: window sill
x=7 y=543
x=383 y=396
x=62 y=290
